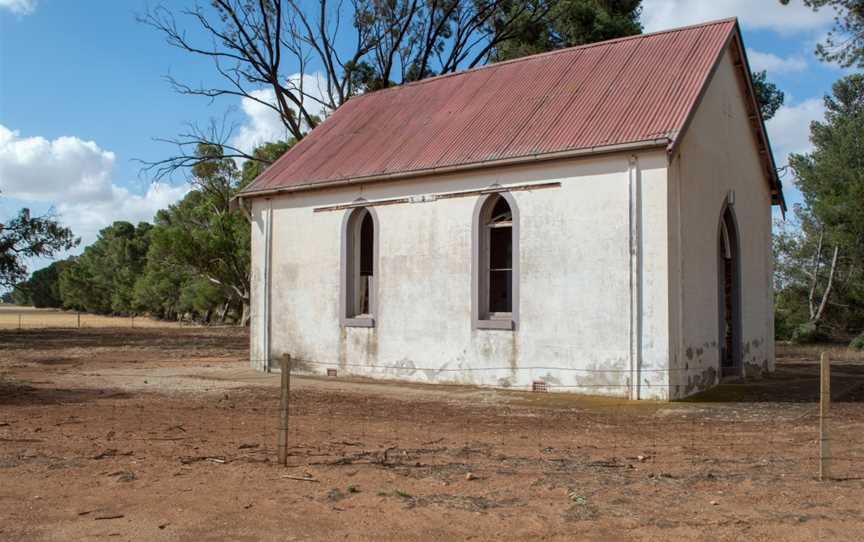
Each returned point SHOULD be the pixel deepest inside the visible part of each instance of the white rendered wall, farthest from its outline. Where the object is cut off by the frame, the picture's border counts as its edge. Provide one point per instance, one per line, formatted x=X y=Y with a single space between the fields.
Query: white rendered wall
x=574 y=329
x=718 y=154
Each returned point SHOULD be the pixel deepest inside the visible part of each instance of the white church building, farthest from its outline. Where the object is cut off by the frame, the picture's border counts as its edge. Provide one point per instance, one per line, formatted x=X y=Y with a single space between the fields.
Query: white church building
x=593 y=220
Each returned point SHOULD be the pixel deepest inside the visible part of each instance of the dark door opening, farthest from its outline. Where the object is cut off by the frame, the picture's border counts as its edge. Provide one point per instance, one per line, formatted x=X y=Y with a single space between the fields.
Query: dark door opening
x=729 y=296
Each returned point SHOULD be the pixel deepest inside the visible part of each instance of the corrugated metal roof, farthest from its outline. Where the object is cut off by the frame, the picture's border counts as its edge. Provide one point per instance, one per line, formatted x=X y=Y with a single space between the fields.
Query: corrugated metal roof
x=629 y=90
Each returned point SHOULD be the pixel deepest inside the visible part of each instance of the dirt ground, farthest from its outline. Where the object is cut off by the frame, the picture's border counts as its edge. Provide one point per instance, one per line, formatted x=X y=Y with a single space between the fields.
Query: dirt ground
x=165 y=434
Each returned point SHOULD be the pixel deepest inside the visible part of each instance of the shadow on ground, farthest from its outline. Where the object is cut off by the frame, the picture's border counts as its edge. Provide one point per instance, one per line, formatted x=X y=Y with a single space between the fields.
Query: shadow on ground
x=14 y=394
x=792 y=382
x=232 y=340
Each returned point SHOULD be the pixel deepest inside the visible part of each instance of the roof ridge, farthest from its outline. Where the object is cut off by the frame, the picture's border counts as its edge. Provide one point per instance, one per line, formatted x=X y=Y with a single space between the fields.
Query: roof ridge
x=547 y=54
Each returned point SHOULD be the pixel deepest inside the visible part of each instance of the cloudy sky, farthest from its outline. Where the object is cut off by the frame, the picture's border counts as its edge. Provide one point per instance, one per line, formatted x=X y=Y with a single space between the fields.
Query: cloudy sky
x=82 y=96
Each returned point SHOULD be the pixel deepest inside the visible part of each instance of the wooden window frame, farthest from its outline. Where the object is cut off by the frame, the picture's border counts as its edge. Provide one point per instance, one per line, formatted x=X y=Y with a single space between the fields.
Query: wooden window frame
x=349 y=269
x=481 y=317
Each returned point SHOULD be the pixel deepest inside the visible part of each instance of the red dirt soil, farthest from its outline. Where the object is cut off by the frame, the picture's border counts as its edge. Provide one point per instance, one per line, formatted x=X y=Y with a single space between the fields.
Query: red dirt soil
x=165 y=434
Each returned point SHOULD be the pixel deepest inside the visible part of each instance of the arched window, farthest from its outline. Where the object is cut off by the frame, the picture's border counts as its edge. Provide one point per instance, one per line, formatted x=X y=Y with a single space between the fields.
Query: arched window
x=496 y=262
x=359 y=262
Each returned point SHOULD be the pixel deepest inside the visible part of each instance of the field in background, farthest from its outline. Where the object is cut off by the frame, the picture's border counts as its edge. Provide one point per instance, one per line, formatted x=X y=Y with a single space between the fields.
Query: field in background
x=166 y=434
x=16 y=316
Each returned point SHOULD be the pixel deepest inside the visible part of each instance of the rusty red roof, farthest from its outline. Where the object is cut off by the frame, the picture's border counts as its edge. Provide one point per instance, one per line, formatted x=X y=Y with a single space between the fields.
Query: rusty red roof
x=593 y=98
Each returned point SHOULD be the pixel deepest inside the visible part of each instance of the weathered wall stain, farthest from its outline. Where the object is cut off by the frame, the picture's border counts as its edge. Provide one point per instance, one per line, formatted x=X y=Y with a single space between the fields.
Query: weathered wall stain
x=574 y=312
x=700 y=382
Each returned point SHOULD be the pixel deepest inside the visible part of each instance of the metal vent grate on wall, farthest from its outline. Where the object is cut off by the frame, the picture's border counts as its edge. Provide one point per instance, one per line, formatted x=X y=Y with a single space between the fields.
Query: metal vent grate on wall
x=539 y=385
x=331 y=372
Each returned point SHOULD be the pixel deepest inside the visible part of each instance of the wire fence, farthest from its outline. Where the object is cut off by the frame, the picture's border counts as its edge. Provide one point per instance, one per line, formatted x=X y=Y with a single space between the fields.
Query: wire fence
x=764 y=429
x=46 y=319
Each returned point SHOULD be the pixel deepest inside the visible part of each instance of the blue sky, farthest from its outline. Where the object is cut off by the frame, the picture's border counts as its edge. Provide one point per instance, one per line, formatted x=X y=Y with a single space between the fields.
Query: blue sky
x=82 y=95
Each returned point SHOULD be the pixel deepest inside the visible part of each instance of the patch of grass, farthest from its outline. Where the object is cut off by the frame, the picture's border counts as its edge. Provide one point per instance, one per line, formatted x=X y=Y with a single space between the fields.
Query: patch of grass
x=811 y=352
x=352 y=489
x=401 y=494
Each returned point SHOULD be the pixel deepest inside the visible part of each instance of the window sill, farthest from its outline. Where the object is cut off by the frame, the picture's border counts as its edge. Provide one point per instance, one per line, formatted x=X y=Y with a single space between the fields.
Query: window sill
x=505 y=324
x=358 y=322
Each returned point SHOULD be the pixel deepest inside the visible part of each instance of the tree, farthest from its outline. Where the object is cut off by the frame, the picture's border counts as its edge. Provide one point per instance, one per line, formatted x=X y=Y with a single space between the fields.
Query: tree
x=200 y=251
x=20 y=295
x=157 y=291
x=102 y=279
x=831 y=178
x=768 y=96
x=568 y=23
x=844 y=44
x=25 y=237
x=821 y=265
x=43 y=287
x=285 y=55
x=265 y=154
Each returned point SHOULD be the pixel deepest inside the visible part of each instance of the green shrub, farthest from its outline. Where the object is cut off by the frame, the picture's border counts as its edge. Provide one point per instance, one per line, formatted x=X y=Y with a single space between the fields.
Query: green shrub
x=858 y=342
x=808 y=332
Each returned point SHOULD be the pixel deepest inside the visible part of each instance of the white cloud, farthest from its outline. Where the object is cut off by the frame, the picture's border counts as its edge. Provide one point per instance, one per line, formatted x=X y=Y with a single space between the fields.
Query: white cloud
x=86 y=218
x=768 y=14
x=263 y=124
x=19 y=7
x=789 y=129
x=35 y=168
x=774 y=64
x=75 y=176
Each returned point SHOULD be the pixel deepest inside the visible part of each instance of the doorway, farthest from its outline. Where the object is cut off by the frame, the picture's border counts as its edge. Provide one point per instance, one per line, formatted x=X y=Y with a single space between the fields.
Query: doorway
x=729 y=295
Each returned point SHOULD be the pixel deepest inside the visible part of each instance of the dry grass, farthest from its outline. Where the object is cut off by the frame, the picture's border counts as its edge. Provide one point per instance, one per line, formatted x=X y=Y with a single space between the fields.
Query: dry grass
x=16 y=316
x=837 y=352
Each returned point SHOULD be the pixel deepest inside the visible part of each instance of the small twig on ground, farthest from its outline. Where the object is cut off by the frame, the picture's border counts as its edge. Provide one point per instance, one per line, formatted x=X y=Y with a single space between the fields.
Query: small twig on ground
x=111 y=453
x=301 y=478
x=110 y=516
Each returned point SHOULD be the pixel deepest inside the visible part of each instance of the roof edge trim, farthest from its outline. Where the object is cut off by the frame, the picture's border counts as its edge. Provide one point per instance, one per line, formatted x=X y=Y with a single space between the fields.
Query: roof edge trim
x=735 y=38
x=662 y=142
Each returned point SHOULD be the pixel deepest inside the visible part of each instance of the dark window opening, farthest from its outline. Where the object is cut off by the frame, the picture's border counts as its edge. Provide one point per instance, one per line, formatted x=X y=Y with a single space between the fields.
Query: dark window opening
x=366 y=270
x=500 y=258
x=367 y=238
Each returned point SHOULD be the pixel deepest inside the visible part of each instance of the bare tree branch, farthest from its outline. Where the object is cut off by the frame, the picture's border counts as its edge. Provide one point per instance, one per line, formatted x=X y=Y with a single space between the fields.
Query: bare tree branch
x=272 y=44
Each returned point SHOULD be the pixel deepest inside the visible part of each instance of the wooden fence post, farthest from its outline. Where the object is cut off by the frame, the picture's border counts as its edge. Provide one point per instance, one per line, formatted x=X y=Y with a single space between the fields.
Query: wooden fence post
x=79 y=319
x=283 y=409
x=19 y=321
x=824 y=404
